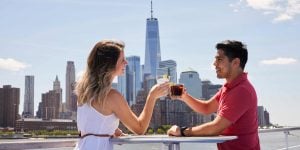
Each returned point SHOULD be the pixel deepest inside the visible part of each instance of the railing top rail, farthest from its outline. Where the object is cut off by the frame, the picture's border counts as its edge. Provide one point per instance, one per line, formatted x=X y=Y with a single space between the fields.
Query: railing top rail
x=278 y=129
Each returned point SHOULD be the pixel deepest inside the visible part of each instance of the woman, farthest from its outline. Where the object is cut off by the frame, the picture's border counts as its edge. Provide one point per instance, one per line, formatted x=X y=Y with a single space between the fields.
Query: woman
x=100 y=107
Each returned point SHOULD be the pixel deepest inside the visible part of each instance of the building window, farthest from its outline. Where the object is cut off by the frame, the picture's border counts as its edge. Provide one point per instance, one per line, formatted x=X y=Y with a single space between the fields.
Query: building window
x=190 y=75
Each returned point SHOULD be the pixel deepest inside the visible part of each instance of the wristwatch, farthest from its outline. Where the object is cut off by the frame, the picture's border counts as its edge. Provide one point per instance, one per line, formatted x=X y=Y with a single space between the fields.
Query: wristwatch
x=182 y=130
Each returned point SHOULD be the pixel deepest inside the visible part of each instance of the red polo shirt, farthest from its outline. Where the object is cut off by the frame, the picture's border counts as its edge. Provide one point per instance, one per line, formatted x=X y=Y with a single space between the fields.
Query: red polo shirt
x=238 y=103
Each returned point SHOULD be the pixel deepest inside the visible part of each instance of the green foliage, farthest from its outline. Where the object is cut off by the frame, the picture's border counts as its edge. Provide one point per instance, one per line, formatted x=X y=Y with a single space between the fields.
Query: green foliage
x=160 y=131
x=150 y=131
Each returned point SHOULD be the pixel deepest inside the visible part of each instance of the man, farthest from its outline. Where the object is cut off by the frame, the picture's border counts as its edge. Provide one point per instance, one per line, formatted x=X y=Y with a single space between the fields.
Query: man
x=235 y=103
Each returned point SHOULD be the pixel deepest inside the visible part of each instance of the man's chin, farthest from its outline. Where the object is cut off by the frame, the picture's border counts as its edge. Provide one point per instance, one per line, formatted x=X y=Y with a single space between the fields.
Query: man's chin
x=219 y=76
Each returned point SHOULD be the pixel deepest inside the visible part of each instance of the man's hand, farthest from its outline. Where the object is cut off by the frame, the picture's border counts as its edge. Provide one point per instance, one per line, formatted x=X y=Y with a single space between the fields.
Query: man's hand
x=174 y=131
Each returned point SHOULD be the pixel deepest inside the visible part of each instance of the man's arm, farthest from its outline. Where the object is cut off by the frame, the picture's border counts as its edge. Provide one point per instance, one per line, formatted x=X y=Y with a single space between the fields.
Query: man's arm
x=216 y=127
x=200 y=106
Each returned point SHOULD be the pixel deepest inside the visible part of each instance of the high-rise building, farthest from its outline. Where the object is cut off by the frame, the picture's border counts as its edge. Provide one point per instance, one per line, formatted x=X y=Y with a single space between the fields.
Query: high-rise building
x=122 y=84
x=209 y=89
x=267 y=117
x=9 y=105
x=192 y=83
x=50 y=105
x=152 y=49
x=57 y=89
x=168 y=67
x=261 y=116
x=70 y=82
x=133 y=77
x=28 y=111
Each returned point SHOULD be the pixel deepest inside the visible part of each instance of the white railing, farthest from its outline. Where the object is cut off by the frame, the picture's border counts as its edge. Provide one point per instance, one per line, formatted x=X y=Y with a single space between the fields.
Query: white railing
x=60 y=143
x=286 y=132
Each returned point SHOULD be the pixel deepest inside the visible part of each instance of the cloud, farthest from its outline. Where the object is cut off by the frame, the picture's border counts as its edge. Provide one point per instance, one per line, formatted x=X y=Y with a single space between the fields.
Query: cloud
x=283 y=10
x=12 y=64
x=279 y=61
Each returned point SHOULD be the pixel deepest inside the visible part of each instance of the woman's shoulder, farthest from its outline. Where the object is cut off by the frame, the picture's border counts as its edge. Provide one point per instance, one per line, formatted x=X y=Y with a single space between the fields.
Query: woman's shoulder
x=113 y=93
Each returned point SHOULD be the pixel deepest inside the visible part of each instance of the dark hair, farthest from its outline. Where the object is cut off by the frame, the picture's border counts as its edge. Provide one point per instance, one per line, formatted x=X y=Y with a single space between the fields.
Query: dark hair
x=234 y=49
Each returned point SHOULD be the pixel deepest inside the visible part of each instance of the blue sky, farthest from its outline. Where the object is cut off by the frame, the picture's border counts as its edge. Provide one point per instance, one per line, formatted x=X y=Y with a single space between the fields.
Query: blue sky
x=39 y=37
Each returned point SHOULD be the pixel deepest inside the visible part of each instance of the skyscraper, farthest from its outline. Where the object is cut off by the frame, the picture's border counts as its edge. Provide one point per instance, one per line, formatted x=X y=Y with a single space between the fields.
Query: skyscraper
x=70 y=81
x=50 y=105
x=122 y=84
x=57 y=89
x=168 y=67
x=152 y=49
x=192 y=82
x=134 y=77
x=9 y=105
x=28 y=111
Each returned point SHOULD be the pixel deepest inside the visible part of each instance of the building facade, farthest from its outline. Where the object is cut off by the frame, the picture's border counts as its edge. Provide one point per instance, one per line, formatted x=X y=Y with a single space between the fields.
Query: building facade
x=209 y=89
x=152 y=49
x=58 y=89
x=70 y=82
x=192 y=83
x=9 y=105
x=133 y=77
x=30 y=124
x=28 y=111
x=50 y=105
x=168 y=67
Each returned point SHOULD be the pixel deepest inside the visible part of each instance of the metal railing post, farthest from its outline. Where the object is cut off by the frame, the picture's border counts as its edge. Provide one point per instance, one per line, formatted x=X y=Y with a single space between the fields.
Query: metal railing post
x=286 y=133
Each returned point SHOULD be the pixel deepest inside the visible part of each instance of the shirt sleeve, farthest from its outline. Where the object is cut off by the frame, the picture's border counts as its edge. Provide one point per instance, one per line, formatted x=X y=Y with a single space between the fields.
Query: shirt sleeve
x=235 y=104
x=217 y=95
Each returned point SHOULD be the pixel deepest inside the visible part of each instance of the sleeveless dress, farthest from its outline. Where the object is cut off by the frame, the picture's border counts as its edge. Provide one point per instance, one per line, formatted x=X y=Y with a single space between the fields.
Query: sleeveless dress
x=89 y=120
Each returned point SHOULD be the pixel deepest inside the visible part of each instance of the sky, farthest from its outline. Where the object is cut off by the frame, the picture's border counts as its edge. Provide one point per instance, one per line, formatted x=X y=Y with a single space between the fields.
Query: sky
x=39 y=37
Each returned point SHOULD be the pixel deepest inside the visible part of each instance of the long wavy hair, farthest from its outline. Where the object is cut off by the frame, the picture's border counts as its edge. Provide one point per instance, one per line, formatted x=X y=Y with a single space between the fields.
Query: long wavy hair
x=96 y=81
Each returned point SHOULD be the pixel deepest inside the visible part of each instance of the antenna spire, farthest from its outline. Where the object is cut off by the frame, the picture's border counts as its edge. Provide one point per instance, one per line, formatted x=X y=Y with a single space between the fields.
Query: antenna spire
x=151 y=10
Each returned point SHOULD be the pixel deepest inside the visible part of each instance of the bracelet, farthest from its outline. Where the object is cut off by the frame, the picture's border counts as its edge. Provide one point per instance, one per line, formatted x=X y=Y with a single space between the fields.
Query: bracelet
x=182 y=130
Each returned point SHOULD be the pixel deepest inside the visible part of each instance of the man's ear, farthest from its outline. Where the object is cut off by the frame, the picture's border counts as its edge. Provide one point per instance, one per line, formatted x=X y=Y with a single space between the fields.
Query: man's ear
x=236 y=62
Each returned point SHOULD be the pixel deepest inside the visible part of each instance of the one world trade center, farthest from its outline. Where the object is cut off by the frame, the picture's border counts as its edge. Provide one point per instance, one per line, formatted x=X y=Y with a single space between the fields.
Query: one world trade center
x=152 y=50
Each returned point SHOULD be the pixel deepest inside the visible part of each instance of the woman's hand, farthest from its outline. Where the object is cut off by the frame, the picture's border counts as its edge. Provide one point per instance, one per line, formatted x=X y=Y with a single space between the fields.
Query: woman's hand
x=118 y=132
x=159 y=90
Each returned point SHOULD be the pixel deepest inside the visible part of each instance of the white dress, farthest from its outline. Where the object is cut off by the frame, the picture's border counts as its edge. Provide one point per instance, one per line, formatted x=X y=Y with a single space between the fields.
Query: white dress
x=89 y=120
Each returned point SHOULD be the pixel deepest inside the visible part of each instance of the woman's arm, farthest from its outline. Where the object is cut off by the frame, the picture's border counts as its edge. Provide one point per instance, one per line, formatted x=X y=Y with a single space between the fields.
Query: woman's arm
x=136 y=124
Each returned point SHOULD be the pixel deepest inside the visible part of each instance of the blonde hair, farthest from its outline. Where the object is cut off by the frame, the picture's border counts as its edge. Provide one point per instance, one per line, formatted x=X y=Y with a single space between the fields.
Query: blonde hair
x=96 y=81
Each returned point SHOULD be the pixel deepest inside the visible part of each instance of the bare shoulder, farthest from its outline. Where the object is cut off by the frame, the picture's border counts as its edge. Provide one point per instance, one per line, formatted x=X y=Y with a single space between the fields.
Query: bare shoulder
x=114 y=96
x=114 y=93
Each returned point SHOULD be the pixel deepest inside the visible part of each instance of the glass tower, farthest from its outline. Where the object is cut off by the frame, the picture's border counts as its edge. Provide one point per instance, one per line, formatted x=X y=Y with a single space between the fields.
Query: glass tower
x=28 y=111
x=134 y=75
x=152 y=49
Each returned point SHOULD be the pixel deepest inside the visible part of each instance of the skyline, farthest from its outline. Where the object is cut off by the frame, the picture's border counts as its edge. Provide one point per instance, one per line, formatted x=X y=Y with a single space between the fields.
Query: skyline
x=40 y=37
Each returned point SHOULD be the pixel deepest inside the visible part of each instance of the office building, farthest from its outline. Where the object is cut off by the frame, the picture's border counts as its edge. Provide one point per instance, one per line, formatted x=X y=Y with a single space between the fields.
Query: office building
x=133 y=77
x=9 y=105
x=192 y=83
x=28 y=109
x=58 y=89
x=168 y=67
x=70 y=84
x=152 y=49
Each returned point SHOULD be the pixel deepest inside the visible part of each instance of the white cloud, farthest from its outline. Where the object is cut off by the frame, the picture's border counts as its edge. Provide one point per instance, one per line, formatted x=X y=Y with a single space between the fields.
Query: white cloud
x=12 y=64
x=264 y=4
x=280 y=61
x=283 y=17
x=283 y=10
